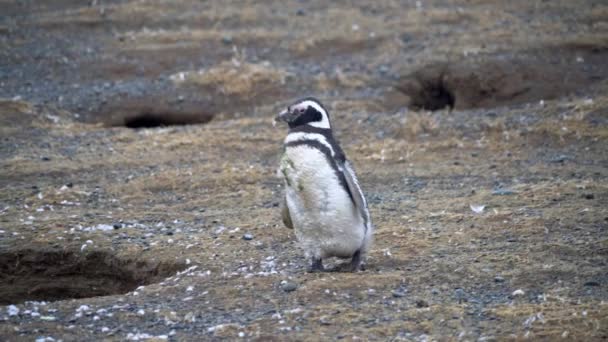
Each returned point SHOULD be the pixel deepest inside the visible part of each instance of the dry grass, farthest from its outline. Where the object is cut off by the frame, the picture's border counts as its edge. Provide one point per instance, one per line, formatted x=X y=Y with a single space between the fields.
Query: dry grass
x=236 y=78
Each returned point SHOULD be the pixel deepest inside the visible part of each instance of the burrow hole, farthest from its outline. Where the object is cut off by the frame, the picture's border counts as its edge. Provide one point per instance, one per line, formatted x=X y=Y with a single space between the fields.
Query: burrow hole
x=55 y=275
x=151 y=119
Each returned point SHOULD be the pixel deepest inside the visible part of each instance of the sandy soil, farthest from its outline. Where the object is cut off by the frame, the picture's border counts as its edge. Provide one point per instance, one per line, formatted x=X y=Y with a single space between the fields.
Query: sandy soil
x=118 y=223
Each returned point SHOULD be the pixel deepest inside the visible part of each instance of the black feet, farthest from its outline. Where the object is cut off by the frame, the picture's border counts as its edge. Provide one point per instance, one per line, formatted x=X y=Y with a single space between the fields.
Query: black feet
x=355 y=262
x=354 y=265
x=316 y=266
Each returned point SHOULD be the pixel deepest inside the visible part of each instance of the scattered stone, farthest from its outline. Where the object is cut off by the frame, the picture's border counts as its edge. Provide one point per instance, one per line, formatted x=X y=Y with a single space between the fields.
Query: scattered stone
x=301 y=12
x=247 y=237
x=324 y=320
x=12 y=310
x=478 y=209
x=518 y=292
x=421 y=303
x=227 y=40
x=288 y=286
x=503 y=192
x=499 y=279
x=592 y=283
x=398 y=294
x=560 y=159
x=588 y=196
x=460 y=295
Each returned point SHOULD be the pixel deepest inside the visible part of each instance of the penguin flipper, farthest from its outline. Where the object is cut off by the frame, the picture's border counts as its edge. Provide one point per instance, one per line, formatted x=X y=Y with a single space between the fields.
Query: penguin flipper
x=285 y=215
x=356 y=192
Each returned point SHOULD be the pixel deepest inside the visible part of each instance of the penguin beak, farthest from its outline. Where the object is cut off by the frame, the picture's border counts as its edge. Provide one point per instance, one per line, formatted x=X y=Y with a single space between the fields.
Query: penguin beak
x=282 y=117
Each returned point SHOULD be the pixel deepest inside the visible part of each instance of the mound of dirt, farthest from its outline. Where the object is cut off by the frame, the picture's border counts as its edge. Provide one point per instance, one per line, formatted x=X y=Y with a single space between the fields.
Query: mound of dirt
x=500 y=80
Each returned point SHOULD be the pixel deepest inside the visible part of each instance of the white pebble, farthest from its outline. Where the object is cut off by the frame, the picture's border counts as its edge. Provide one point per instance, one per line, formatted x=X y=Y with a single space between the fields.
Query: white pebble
x=12 y=310
x=518 y=292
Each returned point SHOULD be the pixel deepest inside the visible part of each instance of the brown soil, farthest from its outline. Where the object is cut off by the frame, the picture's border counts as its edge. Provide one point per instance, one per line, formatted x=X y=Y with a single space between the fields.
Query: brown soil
x=36 y=274
x=546 y=74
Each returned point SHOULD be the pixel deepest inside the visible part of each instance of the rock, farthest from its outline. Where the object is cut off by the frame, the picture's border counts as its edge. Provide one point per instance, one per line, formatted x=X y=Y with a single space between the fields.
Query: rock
x=499 y=279
x=421 y=303
x=460 y=295
x=588 y=196
x=300 y=12
x=518 y=292
x=560 y=159
x=227 y=40
x=288 y=286
x=503 y=192
x=12 y=310
x=398 y=293
x=247 y=237
x=324 y=320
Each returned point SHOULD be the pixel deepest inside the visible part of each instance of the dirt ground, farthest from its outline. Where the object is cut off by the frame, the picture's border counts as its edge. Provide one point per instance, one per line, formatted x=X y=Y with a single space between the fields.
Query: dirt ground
x=138 y=191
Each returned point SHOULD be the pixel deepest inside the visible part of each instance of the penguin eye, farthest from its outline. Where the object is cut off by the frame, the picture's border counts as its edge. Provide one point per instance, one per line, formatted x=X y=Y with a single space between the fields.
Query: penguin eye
x=300 y=110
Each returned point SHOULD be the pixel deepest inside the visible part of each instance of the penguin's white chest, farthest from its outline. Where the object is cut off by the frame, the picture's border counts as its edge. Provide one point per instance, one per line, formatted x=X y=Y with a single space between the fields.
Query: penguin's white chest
x=324 y=217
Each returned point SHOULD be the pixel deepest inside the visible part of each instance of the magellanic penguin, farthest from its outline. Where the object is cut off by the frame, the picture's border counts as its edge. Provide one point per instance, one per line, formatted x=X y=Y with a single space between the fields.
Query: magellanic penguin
x=323 y=200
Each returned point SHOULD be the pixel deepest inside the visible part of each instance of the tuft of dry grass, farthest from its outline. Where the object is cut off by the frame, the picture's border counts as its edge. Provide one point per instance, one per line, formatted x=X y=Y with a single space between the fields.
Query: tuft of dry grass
x=235 y=77
x=415 y=124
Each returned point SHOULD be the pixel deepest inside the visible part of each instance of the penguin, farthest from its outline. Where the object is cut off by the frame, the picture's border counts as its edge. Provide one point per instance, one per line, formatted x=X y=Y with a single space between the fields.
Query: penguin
x=323 y=201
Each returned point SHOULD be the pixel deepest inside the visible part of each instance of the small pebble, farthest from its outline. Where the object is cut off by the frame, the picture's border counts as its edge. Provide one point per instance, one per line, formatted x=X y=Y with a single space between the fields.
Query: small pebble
x=460 y=295
x=503 y=192
x=398 y=293
x=247 y=237
x=227 y=40
x=421 y=303
x=499 y=279
x=288 y=286
x=518 y=292
x=559 y=159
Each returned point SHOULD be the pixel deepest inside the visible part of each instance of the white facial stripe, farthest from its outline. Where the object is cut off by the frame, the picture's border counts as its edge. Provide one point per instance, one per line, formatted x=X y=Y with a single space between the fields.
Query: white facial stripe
x=324 y=123
x=299 y=136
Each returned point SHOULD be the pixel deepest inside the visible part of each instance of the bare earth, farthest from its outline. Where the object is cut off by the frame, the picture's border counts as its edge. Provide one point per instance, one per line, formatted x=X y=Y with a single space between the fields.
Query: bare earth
x=491 y=219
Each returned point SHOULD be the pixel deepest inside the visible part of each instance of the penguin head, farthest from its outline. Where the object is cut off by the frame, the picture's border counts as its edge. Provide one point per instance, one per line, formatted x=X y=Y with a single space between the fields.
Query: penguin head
x=307 y=111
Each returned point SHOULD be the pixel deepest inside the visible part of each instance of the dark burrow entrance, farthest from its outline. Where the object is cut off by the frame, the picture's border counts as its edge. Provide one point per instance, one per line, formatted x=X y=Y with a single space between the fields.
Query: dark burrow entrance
x=498 y=80
x=151 y=111
x=151 y=119
x=54 y=275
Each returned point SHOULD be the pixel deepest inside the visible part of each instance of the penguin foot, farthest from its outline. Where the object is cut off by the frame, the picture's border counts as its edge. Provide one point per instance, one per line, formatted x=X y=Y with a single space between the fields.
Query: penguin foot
x=355 y=264
x=316 y=266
